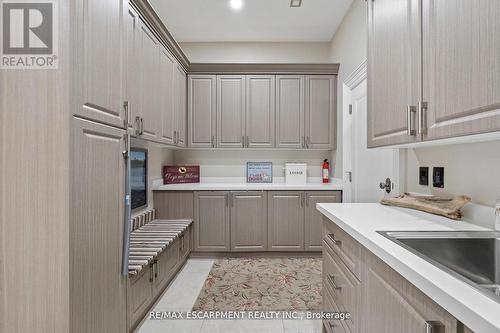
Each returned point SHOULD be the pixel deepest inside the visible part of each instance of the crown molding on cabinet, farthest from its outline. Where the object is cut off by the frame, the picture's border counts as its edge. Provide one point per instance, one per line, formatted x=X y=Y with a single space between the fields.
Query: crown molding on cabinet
x=264 y=68
x=155 y=24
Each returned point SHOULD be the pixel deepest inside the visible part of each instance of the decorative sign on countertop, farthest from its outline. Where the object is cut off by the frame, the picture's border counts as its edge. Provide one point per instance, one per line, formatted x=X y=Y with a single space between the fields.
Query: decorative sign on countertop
x=259 y=172
x=180 y=174
x=295 y=173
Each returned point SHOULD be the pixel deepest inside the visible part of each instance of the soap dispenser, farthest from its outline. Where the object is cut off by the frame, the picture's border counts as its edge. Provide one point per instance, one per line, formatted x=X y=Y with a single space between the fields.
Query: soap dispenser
x=497 y=215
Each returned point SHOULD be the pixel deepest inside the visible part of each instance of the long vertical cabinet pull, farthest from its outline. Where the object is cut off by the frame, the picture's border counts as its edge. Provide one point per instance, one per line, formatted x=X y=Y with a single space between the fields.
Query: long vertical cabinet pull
x=411 y=112
x=422 y=117
x=126 y=223
x=126 y=121
x=433 y=327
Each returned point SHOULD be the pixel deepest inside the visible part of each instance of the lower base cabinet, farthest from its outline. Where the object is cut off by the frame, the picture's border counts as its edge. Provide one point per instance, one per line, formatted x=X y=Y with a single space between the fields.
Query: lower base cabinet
x=145 y=287
x=380 y=300
x=249 y=221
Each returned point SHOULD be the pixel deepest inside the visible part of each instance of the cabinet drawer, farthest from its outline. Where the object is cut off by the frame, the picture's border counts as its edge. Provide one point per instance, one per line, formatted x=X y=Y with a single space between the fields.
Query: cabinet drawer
x=333 y=326
x=343 y=245
x=341 y=287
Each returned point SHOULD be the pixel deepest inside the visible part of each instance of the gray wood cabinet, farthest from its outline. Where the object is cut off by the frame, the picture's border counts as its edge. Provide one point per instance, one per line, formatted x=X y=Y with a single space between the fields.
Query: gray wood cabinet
x=98 y=64
x=320 y=111
x=290 y=117
x=433 y=70
x=149 y=107
x=461 y=67
x=180 y=113
x=211 y=221
x=97 y=288
x=285 y=221
x=130 y=69
x=231 y=111
x=260 y=111
x=394 y=76
x=202 y=110
x=313 y=230
x=248 y=221
x=174 y=205
x=166 y=96
x=378 y=298
x=164 y=265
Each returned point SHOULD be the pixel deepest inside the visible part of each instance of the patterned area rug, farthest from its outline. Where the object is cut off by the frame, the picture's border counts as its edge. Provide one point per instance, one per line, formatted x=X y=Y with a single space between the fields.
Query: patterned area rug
x=262 y=284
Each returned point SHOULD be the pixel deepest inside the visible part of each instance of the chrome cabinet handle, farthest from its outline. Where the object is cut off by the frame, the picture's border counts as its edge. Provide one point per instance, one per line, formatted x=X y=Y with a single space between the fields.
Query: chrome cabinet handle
x=137 y=125
x=331 y=279
x=156 y=262
x=142 y=126
x=303 y=140
x=213 y=141
x=308 y=141
x=307 y=199
x=248 y=141
x=422 y=117
x=243 y=141
x=335 y=241
x=411 y=111
x=226 y=200
x=126 y=120
x=302 y=199
x=433 y=327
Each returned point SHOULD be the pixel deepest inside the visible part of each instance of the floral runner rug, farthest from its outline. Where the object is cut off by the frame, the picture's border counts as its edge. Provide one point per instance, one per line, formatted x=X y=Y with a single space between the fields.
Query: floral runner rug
x=262 y=284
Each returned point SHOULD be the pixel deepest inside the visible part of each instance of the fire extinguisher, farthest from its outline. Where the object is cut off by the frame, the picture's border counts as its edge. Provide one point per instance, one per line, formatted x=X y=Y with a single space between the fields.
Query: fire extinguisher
x=326 y=171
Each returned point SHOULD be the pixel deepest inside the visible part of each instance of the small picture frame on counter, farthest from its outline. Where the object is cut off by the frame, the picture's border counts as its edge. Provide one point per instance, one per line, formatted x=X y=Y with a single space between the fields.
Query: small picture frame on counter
x=259 y=172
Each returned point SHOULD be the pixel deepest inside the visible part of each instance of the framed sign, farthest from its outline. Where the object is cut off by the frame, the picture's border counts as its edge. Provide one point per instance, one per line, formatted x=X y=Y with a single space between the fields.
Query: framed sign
x=259 y=172
x=179 y=174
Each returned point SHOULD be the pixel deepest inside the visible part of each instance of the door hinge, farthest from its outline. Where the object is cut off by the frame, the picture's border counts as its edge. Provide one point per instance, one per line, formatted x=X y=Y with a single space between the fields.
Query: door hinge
x=350 y=108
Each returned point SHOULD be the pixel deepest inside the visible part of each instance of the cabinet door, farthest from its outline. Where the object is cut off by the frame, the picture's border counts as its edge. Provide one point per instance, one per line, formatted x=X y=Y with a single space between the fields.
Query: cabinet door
x=394 y=305
x=140 y=295
x=211 y=221
x=320 y=111
x=230 y=111
x=97 y=288
x=248 y=221
x=181 y=109
x=164 y=266
x=149 y=101
x=260 y=111
x=202 y=103
x=285 y=221
x=166 y=96
x=461 y=62
x=290 y=111
x=98 y=57
x=130 y=69
x=394 y=77
x=314 y=219
x=174 y=205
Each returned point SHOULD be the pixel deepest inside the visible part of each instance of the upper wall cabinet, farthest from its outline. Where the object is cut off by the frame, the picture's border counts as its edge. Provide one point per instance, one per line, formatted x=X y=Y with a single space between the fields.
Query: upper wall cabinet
x=130 y=69
x=202 y=104
x=97 y=61
x=231 y=111
x=320 y=111
x=260 y=111
x=393 y=71
x=167 y=105
x=461 y=66
x=455 y=47
x=290 y=111
x=180 y=113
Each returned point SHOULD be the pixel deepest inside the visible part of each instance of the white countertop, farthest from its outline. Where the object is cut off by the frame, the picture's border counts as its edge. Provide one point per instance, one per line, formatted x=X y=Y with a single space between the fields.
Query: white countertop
x=362 y=221
x=335 y=184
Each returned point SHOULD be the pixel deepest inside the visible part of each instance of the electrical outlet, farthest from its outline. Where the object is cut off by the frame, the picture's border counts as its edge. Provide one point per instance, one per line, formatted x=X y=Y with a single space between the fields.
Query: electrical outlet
x=423 y=178
x=438 y=177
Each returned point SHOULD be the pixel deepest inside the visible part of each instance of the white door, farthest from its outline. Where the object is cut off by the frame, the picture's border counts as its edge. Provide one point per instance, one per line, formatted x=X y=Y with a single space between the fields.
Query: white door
x=365 y=168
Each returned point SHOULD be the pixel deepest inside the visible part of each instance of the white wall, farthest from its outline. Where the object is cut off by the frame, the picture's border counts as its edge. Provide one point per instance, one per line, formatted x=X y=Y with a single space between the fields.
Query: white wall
x=348 y=47
x=472 y=169
x=232 y=163
x=265 y=52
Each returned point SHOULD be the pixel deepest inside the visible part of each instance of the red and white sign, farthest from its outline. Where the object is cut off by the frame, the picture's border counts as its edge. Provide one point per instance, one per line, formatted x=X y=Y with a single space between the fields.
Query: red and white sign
x=179 y=174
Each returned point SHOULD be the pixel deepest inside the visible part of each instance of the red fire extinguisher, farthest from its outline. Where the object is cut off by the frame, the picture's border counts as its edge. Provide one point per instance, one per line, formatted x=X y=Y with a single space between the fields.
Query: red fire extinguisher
x=326 y=171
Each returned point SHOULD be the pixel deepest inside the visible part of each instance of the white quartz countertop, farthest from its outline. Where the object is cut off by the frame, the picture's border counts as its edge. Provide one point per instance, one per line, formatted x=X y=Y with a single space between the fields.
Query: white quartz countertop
x=363 y=220
x=335 y=184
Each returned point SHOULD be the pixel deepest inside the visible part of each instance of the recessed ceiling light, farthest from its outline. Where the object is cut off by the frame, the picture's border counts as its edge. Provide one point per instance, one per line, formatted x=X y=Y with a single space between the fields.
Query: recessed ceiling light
x=236 y=4
x=295 y=3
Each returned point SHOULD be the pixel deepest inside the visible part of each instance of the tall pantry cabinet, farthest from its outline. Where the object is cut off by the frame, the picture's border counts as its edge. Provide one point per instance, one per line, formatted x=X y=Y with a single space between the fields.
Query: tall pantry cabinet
x=125 y=82
x=433 y=70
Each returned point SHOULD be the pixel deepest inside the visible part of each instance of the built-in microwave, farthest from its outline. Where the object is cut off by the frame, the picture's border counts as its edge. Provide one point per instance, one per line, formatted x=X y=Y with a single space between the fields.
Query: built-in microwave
x=138 y=178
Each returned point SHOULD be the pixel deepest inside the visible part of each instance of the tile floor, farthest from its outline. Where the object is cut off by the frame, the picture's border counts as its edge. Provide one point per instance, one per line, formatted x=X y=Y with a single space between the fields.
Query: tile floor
x=182 y=294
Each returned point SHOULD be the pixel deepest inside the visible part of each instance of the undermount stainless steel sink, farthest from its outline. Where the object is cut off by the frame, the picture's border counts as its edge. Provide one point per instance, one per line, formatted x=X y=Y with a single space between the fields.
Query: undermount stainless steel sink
x=472 y=256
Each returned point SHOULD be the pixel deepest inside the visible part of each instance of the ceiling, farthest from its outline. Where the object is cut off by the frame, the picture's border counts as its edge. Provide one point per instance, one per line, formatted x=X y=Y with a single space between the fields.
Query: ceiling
x=257 y=21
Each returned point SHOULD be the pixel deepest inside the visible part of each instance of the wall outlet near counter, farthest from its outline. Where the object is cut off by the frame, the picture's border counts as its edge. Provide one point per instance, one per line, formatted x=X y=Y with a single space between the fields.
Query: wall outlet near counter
x=438 y=177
